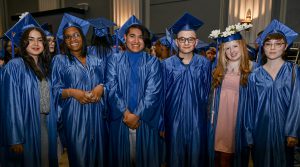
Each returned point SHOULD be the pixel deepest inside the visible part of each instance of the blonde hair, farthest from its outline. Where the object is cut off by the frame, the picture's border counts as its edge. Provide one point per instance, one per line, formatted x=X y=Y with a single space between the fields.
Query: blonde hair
x=245 y=66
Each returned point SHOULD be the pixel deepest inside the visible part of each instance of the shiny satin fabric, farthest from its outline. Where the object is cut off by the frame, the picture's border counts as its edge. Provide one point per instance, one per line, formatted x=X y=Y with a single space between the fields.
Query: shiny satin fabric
x=148 y=109
x=20 y=115
x=242 y=151
x=84 y=125
x=185 y=112
x=273 y=115
x=92 y=50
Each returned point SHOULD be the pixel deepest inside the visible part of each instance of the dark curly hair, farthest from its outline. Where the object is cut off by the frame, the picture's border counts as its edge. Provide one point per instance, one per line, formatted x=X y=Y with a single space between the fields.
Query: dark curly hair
x=44 y=61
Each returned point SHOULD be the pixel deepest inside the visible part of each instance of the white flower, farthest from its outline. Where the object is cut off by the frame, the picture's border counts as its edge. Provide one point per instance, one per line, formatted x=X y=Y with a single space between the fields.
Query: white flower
x=230 y=30
x=239 y=27
x=227 y=33
x=215 y=34
x=23 y=15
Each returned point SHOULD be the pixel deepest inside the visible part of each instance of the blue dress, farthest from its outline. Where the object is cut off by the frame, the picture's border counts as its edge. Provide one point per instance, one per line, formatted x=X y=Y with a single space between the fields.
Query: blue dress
x=273 y=114
x=84 y=125
x=187 y=89
x=241 y=156
x=20 y=116
x=149 y=91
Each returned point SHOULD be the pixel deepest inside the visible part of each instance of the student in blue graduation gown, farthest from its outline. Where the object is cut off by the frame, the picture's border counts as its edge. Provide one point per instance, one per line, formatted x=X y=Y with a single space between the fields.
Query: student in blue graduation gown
x=134 y=81
x=227 y=146
x=78 y=80
x=187 y=78
x=29 y=131
x=272 y=125
x=101 y=42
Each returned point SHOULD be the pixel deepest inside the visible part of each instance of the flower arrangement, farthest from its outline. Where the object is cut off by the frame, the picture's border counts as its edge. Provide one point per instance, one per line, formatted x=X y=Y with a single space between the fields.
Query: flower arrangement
x=230 y=30
x=23 y=15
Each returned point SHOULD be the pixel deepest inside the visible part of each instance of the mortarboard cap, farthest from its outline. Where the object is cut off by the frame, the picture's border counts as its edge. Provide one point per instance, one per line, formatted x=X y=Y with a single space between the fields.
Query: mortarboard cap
x=45 y=27
x=277 y=27
x=186 y=22
x=72 y=21
x=201 y=45
x=130 y=22
x=101 y=26
x=168 y=41
x=15 y=32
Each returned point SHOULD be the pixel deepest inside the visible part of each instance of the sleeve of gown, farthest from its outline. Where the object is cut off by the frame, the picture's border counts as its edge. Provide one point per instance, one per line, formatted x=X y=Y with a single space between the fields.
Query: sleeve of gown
x=115 y=97
x=292 y=126
x=207 y=81
x=149 y=106
x=162 y=113
x=57 y=83
x=11 y=104
x=249 y=108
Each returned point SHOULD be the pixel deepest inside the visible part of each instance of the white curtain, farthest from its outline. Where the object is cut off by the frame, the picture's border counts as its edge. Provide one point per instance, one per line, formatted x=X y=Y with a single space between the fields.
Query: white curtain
x=260 y=12
x=123 y=9
x=48 y=4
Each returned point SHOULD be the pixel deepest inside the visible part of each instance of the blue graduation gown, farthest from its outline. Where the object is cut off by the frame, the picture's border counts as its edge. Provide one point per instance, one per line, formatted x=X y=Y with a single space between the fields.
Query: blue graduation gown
x=241 y=156
x=84 y=125
x=274 y=114
x=20 y=115
x=185 y=112
x=149 y=101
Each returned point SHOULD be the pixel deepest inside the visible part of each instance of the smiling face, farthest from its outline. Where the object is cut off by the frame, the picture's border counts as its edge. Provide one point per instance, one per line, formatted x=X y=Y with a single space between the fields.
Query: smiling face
x=134 y=40
x=186 y=41
x=73 y=39
x=35 y=43
x=233 y=51
x=51 y=43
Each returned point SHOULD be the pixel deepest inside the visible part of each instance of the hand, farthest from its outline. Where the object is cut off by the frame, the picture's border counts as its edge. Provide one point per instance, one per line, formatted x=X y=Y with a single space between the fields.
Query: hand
x=1 y=62
x=17 y=148
x=82 y=96
x=162 y=134
x=97 y=93
x=131 y=120
x=292 y=141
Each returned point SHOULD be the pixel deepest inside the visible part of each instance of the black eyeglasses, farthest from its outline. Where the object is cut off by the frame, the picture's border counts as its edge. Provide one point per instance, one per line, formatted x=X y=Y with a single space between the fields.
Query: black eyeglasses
x=69 y=37
x=189 y=40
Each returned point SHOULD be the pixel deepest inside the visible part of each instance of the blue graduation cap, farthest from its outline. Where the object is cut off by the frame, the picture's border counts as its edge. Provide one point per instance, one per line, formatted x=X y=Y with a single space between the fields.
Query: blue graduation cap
x=186 y=22
x=72 y=21
x=101 y=26
x=15 y=32
x=45 y=27
x=130 y=22
x=168 y=41
x=231 y=33
x=201 y=45
x=171 y=41
x=276 y=27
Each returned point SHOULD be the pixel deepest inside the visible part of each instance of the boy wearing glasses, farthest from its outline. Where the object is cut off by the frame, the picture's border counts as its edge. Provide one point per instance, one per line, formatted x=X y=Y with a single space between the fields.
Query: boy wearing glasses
x=187 y=78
